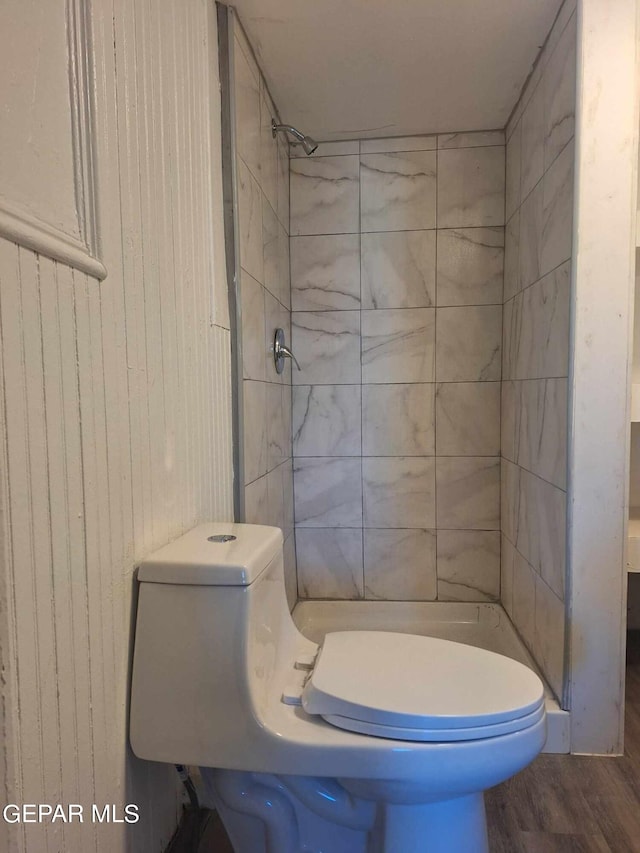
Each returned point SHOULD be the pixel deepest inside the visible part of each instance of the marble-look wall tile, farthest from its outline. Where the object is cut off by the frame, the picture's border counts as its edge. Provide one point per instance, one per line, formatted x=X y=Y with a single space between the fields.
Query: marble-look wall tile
x=557 y=211
x=330 y=563
x=468 y=565
x=536 y=325
x=327 y=346
x=542 y=443
x=475 y=139
x=401 y=143
x=400 y=565
x=538 y=247
x=398 y=491
x=270 y=249
x=326 y=420
x=256 y=502
x=328 y=149
x=510 y=419
x=325 y=272
x=369 y=462
x=565 y=14
x=241 y=43
x=524 y=599
x=287 y=488
x=468 y=419
x=328 y=492
x=532 y=144
x=278 y=413
x=530 y=240
x=468 y=493
x=534 y=425
x=513 y=167
x=283 y=180
x=268 y=151
x=250 y=222
x=253 y=328
x=284 y=277
x=507 y=559
x=275 y=497
x=324 y=195
x=511 y=318
x=398 y=345
x=541 y=529
x=398 y=420
x=548 y=641
x=510 y=492
x=276 y=317
x=471 y=187
x=290 y=573
x=468 y=342
x=566 y=11
x=398 y=191
x=399 y=269
x=255 y=429
x=247 y=110
x=512 y=256
x=263 y=218
x=470 y=266
x=559 y=81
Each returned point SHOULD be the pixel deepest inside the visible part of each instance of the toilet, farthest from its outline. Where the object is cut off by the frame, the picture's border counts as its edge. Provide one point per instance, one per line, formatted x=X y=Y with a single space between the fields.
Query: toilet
x=372 y=742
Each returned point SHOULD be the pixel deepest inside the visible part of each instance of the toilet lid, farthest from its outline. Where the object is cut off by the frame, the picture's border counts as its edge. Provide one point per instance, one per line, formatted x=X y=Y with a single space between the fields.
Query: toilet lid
x=404 y=682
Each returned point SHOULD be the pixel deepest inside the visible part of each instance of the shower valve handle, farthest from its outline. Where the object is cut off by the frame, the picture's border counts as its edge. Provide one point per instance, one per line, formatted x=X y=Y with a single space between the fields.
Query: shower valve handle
x=280 y=352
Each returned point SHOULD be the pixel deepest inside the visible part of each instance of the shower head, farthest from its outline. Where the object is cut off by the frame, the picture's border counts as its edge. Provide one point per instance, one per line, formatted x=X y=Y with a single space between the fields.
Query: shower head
x=307 y=142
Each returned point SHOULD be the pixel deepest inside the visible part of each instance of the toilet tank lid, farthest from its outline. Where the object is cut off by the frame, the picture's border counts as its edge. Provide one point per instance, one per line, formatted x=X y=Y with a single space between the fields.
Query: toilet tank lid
x=214 y=554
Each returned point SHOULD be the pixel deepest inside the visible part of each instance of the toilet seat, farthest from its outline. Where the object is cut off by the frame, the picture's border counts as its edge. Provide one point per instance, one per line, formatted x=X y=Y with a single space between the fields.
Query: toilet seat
x=409 y=687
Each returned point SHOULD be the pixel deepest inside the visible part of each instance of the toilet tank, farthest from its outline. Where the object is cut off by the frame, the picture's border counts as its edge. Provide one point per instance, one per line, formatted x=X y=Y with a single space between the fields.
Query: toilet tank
x=210 y=626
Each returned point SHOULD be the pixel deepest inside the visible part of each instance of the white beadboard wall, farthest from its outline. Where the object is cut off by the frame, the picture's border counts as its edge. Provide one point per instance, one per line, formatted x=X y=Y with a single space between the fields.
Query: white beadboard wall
x=115 y=427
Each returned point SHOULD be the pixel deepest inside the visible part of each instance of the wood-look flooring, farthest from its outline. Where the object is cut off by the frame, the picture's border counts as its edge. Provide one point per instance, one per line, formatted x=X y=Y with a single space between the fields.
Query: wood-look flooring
x=571 y=803
x=560 y=804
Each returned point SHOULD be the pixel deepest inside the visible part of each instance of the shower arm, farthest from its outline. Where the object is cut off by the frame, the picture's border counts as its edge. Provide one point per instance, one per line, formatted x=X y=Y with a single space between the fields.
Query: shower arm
x=307 y=142
x=288 y=128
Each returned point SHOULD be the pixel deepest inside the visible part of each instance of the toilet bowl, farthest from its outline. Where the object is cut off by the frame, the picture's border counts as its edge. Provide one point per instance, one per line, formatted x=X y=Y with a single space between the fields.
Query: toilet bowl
x=373 y=742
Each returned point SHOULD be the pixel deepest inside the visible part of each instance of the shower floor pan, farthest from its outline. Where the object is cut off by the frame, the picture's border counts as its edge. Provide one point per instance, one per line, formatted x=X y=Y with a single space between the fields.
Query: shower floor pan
x=486 y=626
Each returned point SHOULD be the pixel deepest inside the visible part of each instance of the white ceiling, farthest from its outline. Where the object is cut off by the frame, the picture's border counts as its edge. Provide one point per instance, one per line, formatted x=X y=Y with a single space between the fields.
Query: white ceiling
x=340 y=69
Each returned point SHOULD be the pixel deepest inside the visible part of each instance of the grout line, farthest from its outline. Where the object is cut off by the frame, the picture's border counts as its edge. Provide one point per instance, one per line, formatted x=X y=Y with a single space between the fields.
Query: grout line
x=434 y=136
x=568 y=260
x=399 y=384
x=530 y=564
x=435 y=375
x=545 y=172
x=412 y=307
x=493 y=226
x=541 y=60
x=364 y=578
x=533 y=474
x=403 y=456
x=495 y=530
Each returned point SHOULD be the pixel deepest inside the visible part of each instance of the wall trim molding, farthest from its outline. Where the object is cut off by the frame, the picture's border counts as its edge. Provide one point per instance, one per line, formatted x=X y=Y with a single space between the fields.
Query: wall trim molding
x=23 y=227
x=83 y=129
x=27 y=230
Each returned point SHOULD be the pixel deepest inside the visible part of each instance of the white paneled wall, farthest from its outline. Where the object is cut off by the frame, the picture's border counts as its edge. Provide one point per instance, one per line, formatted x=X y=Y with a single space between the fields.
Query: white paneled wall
x=115 y=428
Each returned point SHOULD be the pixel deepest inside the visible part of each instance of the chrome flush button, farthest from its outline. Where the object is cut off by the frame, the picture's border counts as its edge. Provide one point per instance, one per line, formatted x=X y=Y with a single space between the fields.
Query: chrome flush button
x=222 y=537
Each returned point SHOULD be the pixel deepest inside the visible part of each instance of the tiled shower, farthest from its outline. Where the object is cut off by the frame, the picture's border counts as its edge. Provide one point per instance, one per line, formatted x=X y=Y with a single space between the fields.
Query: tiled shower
x=261 y=169
x=423 y=284
x=538 y=251
x=397 y=265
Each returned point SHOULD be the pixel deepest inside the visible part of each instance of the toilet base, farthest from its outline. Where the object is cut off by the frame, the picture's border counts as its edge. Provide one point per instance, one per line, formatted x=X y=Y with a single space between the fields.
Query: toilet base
x=440 y=827
x=264 y=813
